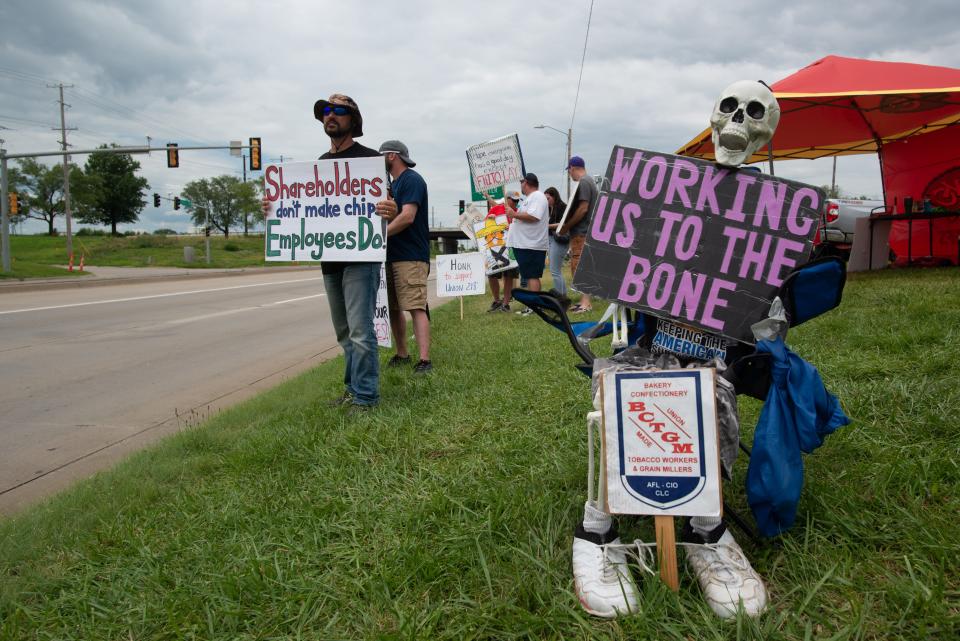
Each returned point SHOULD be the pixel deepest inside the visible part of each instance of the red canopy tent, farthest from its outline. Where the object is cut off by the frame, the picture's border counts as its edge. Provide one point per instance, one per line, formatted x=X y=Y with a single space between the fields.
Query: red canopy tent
x=906 y=113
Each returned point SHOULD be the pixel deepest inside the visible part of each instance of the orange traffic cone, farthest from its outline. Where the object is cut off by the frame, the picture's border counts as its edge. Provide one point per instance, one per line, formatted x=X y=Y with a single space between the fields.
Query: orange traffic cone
x=70 y=265
x=81 y=262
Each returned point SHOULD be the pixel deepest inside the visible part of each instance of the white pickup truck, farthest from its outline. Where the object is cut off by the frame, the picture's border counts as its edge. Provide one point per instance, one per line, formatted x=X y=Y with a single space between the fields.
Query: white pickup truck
x=836 y=228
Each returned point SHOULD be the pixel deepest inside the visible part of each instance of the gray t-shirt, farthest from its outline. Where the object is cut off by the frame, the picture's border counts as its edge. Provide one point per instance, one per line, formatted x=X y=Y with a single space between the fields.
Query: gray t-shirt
x=586 y=191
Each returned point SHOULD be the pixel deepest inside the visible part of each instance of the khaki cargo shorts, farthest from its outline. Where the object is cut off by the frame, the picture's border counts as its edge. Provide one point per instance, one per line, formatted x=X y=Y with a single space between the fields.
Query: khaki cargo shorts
x=407 y=285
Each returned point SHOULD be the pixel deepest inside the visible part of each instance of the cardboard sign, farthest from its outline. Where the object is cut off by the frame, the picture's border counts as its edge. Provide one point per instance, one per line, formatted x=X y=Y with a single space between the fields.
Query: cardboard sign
x=381 y=314
x=461 y=275
x=496 y=163
x=689 y=240
x=325 y=210
x=660 y=439
x=477 y=197
x=491 y=241
x=566 y=212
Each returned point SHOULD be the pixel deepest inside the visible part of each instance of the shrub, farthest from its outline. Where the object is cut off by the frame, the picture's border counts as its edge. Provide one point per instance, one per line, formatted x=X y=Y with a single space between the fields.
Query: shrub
x=231 y=247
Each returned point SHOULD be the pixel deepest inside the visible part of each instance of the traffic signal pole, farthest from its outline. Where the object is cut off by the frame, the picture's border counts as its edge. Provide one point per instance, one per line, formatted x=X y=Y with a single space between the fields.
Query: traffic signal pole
x=4 y=192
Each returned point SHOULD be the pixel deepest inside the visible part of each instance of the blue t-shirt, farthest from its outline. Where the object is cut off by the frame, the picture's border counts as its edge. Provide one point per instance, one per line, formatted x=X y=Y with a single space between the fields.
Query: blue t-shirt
x=413 y=243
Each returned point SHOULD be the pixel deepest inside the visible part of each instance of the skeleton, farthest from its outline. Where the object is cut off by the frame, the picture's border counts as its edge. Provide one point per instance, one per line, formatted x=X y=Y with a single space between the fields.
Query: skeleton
x=744 y=119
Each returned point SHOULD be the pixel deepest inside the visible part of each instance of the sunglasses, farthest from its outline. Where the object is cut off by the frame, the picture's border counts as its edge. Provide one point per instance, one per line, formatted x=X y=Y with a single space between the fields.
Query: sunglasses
x=337 y=110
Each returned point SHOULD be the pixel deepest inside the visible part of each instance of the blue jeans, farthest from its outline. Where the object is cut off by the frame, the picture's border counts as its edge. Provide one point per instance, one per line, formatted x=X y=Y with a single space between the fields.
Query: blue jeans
x=556 y=255
x=352 y=294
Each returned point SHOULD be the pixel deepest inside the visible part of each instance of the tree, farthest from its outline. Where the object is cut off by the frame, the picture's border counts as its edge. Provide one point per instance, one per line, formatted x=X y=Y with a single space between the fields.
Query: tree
x=225 y=198
x=832 y=191
x=117 y=192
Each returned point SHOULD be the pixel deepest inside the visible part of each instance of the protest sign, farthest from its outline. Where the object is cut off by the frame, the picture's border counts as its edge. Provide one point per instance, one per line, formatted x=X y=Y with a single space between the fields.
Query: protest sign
x=325 y=210
x=461 y=275
x=566 y=212
x=490 y=233
x=476 y=196
x=496 y=163
x=381 y=314
x=696 y=242
x=660 y=441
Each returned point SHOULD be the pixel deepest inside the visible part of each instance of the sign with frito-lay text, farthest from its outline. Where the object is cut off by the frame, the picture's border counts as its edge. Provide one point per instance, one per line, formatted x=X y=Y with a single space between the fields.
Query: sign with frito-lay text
x=496 y=163
x=695 y=242
x=660 y=439
x=325 y=210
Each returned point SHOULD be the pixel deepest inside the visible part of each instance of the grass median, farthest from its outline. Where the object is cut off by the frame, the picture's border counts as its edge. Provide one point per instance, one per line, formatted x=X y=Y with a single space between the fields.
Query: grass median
x=448 y=512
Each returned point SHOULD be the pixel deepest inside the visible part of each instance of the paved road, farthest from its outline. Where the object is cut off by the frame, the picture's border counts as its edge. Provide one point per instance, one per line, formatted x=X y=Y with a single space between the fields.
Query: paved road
x=89 y=374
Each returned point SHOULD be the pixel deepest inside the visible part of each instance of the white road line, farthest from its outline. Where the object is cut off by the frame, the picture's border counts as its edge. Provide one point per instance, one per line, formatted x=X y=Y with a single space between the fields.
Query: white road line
x=126 y=300
x=228 y=312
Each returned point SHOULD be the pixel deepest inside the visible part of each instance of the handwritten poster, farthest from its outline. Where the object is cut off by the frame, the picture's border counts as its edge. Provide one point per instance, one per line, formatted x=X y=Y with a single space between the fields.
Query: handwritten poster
x=381 y=314
x=490 y=233
x=695 y=242
x=325 y=210
x=461 y=275
x=496 y=163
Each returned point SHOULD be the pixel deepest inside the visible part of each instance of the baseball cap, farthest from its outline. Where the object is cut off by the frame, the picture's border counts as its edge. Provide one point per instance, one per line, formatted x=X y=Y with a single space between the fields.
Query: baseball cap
x=576 y=161
x=397 y=147
x=532 y=179
x=513 y=195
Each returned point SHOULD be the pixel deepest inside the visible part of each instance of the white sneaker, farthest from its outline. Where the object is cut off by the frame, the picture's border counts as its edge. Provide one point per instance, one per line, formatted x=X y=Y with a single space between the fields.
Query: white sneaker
x=728 y=580
x=601 y=576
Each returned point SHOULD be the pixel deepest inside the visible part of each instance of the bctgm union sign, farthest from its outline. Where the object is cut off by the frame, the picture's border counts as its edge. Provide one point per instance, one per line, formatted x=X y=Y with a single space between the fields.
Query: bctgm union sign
x=660 y=439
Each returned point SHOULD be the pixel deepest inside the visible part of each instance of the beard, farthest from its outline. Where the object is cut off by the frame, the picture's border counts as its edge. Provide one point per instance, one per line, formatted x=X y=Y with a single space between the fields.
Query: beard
x=334 y=129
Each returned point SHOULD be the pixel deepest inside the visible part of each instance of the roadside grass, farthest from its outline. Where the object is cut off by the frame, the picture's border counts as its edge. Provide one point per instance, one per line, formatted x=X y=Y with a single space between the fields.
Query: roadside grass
x=145 y=250
x=20 y=270
x=448 y=512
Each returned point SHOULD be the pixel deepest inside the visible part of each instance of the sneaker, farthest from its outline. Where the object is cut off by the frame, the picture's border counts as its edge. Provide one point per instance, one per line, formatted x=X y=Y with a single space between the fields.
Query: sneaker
x=422 y=367
x=728 y=581
x=526 y=311
x=344 y=399
x=600 y=574
x=577 y=309
x=495 y=306
x=505 y=308
x=397 y=361
x=357 y=409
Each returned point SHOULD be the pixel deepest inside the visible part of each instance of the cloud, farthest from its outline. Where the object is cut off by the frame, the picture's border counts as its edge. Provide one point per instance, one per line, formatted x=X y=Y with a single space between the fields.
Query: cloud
x=438 y=75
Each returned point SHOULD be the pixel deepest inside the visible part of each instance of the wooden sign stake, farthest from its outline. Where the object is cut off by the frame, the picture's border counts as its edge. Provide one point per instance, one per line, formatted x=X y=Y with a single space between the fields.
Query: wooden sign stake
x=667 y=551
x=461 y=308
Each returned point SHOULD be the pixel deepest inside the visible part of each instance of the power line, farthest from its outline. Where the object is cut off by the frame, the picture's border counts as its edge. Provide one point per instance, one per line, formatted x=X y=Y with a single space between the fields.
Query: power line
x=583 y=59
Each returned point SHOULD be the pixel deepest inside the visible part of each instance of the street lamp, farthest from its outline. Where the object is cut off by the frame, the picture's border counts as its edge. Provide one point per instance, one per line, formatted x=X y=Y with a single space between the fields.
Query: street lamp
x=569 y=134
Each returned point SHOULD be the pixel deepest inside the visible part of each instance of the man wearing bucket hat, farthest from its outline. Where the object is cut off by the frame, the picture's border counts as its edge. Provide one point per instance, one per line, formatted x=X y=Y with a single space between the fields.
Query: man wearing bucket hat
x=408 y=256
x=351 y=287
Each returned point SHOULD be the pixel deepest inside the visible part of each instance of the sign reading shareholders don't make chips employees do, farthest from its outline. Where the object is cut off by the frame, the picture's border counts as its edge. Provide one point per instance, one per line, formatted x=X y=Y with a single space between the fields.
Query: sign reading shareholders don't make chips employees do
x=325 y=210
x=696 y=242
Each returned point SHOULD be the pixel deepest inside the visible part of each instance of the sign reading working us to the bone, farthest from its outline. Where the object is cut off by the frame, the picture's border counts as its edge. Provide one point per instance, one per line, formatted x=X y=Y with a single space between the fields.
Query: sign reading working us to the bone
x=325 y=210
x=693 y=241
x=660 y=431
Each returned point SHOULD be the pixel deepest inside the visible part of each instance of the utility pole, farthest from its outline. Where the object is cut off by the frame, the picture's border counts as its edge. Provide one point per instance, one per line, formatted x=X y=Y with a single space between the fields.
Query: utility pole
x=833 y=181
x=66 y=172
x=569 y=155
x=244 y=164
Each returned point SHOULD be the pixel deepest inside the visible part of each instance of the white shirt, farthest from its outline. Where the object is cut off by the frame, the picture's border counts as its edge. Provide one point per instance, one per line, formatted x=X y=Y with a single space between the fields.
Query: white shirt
x=531 y=235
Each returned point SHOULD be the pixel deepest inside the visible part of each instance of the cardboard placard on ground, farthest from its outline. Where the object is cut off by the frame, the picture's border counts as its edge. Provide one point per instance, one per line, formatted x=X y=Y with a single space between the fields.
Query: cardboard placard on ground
x=461 y=275
x=661 y=444
x=325 y=210
x=490 y=233
x=695 y=242
x=496 y=163
x=381 y=315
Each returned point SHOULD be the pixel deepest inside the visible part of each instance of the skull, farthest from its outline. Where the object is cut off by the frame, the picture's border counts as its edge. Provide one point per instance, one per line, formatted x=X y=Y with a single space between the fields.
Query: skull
x=743 y=121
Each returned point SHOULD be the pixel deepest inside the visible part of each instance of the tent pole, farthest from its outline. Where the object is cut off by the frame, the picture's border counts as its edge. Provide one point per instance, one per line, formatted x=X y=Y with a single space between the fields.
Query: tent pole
x=770 y=157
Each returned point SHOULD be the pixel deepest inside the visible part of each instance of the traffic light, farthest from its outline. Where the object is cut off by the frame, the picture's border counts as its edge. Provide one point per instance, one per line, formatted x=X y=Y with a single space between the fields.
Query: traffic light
x=173 y=155
x=463 y=207
x=14 y=203
x=176 y=202
x=156 y=200
x=255 y=163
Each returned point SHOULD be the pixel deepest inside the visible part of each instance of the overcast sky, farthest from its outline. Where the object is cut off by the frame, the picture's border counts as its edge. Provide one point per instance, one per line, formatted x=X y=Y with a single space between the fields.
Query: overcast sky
x=438 y=75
